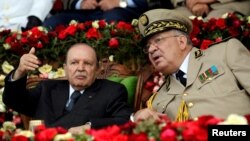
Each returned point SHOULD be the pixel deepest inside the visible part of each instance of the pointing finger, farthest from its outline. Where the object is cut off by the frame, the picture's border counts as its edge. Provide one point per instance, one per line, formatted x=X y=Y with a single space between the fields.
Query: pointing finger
x=32 y=50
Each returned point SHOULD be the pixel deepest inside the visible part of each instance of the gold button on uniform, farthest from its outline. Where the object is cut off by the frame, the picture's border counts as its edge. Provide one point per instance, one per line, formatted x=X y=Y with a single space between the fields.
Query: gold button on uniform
x=185 y=94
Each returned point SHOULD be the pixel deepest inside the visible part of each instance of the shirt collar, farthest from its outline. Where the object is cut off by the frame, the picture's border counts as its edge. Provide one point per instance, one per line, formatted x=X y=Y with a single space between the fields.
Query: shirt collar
x=184 y=65
x=71 y=90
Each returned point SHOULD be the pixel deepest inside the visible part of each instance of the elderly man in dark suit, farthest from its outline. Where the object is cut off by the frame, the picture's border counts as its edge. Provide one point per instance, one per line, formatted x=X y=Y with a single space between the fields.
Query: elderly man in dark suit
x=98 y=102
x=198 y=82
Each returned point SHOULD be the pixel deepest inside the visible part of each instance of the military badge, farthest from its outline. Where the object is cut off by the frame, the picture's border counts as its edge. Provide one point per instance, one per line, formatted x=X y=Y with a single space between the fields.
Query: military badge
x=143 y=20
x=208 y=74
x=198 y=54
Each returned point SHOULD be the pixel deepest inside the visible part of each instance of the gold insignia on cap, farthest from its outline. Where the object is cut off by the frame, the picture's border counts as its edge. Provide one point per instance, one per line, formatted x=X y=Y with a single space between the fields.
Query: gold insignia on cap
x=143 y=20
x=163 y=25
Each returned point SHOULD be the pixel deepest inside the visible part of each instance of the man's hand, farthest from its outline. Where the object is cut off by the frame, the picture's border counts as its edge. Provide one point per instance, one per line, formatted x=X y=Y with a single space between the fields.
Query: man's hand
x=79 y=129
x=89 y=4
x=147 y=113
x=28 y=62
x=191 y=3
x=106 y=5
x=200 y=9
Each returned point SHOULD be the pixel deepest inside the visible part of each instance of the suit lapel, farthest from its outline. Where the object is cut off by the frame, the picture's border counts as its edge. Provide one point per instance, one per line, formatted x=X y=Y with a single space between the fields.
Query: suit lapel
x=194 y=66
x=60 y=96
x=88 y=95
x=175 y=86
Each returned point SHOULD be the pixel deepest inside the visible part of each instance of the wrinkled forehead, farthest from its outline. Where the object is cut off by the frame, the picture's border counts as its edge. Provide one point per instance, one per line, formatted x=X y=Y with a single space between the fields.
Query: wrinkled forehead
x=81 y=52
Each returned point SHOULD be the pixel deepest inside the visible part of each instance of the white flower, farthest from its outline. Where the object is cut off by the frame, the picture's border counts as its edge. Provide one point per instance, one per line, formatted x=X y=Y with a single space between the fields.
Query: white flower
x=25 y=133
x=2 y=107
x=234 y=119
x=156 y=88
x=95 y=24
x=224 y=16
x=192 y=17
x=2 y=77
x=199 y=18
x=6 y=46
x=51 y=75
x=73 y=22
x=63 y=137
x=45 y=68
x=59 y=73
x=111 y=58
x=248 y=19
x=6 y=67
x=134 y=22
x=43 y=29
x=8 y=125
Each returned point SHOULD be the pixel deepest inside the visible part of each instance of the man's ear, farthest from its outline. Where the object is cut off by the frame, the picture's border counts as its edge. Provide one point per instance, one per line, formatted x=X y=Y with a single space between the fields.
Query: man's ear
x=182 y=40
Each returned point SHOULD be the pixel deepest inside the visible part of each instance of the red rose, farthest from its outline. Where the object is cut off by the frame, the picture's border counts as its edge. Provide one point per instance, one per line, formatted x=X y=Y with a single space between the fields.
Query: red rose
x=62 y=35
x=19 y=138
x=113 y=33
x=81 y=26
x=119 y=137
x=102 y=24
x=138 y=137
x=233 y=31
x=39 y=45
x=195 y=31
x=1 y=133
x=221 y=23
x=93 y=33
x=113 y=43
x=124 y=26
x=168 y=135
x=46 y=135
x=219 y=39
x=149 y=85
x=106 y=133
x=71 y=30
x=205 y=43
x=248 y=118
x=196 y=41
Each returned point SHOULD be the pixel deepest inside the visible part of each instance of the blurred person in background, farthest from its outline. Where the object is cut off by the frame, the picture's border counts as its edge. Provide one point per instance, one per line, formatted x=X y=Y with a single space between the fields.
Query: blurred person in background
x=211 y=8
x=23 y=15
x=89 y=10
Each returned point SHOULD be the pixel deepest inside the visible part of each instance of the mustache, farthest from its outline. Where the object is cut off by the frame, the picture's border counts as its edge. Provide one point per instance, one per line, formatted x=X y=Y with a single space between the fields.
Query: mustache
x=81 y=74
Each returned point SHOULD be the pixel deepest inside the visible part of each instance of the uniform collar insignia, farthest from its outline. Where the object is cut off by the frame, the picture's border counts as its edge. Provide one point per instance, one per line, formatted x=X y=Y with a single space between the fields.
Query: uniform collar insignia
x=198 y=53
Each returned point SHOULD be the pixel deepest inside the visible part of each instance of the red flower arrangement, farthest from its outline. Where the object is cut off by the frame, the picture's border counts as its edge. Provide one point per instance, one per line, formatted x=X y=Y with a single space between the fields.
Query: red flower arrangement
x=118 y=40
x=144 y=130
x=214 y=30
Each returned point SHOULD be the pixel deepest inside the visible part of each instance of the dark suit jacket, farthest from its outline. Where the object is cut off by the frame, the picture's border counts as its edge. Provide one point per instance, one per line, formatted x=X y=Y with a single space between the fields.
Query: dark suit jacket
x=104 y=103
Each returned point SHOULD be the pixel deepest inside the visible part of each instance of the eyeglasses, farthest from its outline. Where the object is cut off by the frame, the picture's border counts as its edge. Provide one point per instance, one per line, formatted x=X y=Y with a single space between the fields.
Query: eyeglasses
x=156 y=42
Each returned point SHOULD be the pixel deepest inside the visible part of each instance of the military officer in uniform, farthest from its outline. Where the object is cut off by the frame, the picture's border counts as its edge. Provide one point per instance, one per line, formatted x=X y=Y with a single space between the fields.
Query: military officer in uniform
x=198 y=82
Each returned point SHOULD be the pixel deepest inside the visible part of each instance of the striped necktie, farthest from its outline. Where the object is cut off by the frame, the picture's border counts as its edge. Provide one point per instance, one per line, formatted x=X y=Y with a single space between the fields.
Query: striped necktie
x=73 y=98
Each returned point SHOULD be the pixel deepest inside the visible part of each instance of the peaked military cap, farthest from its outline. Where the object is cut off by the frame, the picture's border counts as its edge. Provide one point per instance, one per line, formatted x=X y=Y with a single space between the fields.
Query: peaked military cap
x=159 y=20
